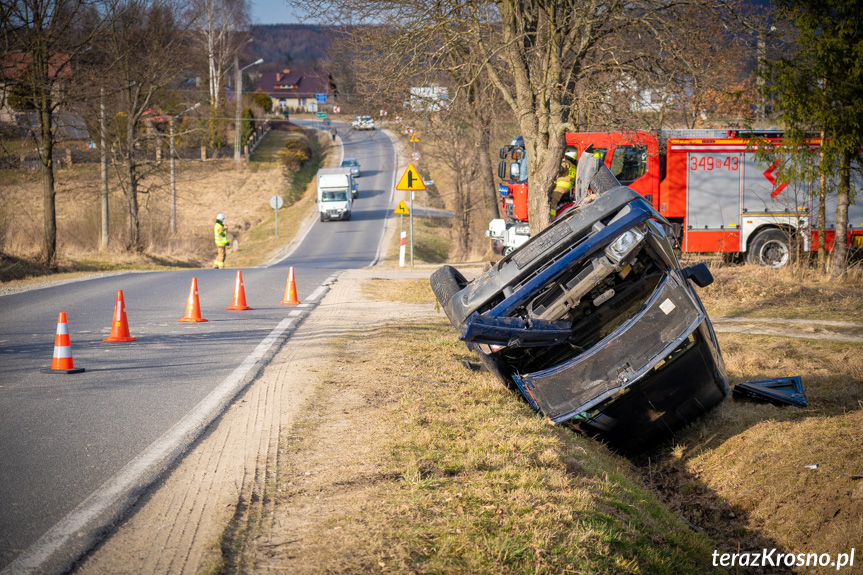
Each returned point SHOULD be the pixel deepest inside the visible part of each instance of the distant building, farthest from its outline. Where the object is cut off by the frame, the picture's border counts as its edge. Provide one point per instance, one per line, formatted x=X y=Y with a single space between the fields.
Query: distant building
x=15 y=64
x=297 y=91
x=432 y=98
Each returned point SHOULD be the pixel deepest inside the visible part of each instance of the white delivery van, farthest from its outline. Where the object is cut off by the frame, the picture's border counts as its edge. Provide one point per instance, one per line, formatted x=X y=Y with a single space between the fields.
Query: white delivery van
x=335 y=193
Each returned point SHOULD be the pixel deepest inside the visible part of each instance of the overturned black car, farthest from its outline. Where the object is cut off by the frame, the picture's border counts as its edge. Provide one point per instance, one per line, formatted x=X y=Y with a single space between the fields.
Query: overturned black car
x=593 y=320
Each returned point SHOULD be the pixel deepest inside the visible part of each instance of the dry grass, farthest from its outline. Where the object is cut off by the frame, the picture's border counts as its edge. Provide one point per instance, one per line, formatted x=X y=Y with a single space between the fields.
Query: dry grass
x=752 y=291
x=739 y=472
x=450 y=473
x=203 y=190
x=431 y=242
x=401 y=291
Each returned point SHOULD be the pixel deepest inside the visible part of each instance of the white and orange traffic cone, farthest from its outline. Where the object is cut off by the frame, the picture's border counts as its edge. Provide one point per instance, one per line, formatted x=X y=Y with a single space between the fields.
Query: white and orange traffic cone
x=119 y=325
x=290 y=290
x=193 y=305
x=239 y=302
x=62 y=362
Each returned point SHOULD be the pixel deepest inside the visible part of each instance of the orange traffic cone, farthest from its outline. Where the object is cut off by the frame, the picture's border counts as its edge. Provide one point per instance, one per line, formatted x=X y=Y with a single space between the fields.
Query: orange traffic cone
x=239 y=302
x=193 y=306
x=291 y=289
x=119 y=325
x=62 y=362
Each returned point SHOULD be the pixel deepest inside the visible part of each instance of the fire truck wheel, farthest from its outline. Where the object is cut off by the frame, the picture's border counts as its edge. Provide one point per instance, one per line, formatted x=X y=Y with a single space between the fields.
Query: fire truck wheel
x=508 y=250
x=770 y=248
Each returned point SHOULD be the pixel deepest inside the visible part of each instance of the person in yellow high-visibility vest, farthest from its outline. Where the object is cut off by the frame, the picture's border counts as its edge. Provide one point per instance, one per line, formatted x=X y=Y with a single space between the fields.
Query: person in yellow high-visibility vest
x=562 y=192
x=221 y=236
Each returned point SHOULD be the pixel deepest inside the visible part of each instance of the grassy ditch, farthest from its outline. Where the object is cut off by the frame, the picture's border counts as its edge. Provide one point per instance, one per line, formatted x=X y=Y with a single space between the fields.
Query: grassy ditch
x=407 y=461
x=740 y=473
x=431 y=242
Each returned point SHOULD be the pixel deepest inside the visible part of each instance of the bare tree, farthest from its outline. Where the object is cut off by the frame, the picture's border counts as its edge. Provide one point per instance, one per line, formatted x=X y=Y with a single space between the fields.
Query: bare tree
x=43 y=40
x=146 y=45
x=554 y=62
x=220 y=32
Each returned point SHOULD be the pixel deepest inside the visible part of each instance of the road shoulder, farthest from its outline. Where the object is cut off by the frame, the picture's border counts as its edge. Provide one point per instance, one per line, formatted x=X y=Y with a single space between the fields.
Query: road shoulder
x=178 y=526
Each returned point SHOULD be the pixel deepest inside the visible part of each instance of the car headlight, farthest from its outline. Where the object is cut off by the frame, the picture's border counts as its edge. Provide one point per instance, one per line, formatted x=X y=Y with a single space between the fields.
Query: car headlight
x=624 y=244
x=522 y=230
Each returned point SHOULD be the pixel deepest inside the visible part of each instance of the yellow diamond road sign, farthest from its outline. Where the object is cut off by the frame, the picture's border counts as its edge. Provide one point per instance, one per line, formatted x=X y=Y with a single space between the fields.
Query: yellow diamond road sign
x=402 y=208
x=411 y=180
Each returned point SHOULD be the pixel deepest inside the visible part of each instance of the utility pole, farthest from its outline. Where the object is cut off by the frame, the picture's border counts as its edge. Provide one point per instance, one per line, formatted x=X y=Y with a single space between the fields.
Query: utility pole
x=173 y=183
x=103 y=144
x=239 y=90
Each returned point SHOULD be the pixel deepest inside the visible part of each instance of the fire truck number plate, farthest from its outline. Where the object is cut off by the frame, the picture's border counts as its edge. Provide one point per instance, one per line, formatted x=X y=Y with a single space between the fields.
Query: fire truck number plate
x=708 y=163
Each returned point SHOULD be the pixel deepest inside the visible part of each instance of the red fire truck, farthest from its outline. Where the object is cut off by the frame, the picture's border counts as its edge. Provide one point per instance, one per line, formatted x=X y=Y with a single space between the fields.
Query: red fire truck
x=720 y=195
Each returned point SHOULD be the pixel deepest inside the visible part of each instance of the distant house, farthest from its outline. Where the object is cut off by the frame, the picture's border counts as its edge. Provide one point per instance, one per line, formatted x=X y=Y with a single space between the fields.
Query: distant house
x=297 y=91
x=16 y=64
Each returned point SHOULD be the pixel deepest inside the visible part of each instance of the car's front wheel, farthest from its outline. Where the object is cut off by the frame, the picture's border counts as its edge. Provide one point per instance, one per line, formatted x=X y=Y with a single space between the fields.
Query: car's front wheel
x=445 y=283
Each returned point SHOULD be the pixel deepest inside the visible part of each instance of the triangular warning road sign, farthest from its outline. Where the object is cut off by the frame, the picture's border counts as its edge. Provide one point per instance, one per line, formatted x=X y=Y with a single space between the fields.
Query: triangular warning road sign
x=787 y=390
x=411 y=180
x=402 y=208
x=414 y=138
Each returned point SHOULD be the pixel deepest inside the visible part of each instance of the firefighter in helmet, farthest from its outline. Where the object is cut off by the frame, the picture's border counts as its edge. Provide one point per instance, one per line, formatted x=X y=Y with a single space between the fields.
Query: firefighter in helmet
x=562 y=193
x=221 y=236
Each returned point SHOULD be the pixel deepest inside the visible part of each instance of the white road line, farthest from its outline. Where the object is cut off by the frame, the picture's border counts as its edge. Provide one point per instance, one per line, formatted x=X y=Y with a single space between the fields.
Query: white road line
x=390 y=201
x=83 y=527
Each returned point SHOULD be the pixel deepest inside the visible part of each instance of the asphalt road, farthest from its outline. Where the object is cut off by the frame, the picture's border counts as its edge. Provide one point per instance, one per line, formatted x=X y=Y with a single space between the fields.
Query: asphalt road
x=64 y=436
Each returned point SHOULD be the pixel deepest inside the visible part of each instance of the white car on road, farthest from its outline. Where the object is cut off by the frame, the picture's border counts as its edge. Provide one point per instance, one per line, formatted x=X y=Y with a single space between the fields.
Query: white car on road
x=363 y=123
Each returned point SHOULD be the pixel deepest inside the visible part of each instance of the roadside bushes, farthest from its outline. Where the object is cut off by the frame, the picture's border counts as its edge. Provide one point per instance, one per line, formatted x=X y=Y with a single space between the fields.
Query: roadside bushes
x=296 y=153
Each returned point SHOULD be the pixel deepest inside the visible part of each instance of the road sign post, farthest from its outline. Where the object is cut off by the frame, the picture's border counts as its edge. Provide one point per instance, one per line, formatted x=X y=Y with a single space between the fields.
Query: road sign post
x=410 y=182
x=277 y=202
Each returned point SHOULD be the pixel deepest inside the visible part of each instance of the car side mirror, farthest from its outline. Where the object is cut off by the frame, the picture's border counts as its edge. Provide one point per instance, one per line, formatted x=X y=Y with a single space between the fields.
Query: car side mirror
x=699 y=274
x=502 y=153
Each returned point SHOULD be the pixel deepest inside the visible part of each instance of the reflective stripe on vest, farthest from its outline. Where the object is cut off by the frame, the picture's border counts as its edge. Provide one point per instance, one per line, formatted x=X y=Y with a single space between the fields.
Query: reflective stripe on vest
x=220 y=235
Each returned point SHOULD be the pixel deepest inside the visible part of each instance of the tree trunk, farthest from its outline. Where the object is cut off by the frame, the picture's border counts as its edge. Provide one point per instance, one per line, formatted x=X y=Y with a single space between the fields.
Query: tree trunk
x=486 y=170
x=49 y=246
x=544 y=154
x=842 y=197
x=822 y=206
x=132 y=227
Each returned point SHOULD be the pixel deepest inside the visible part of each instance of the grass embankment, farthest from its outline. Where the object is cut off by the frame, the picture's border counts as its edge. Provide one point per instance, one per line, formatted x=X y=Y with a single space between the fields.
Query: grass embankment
x=460 y=476
x=740 y=473
x=448 y=472
x=261 y=241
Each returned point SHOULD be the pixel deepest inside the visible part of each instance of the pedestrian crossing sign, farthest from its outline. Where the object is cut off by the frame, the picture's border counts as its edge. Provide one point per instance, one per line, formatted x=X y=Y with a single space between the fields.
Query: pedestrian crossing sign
x=411 y=180
x=402 y=208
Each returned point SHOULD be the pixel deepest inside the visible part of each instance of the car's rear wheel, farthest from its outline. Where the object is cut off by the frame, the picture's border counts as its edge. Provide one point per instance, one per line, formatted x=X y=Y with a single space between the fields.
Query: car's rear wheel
x=772 y=248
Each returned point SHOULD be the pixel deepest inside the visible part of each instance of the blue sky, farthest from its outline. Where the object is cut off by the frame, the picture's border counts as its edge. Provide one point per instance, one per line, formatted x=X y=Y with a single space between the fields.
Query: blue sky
x=271 y=12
